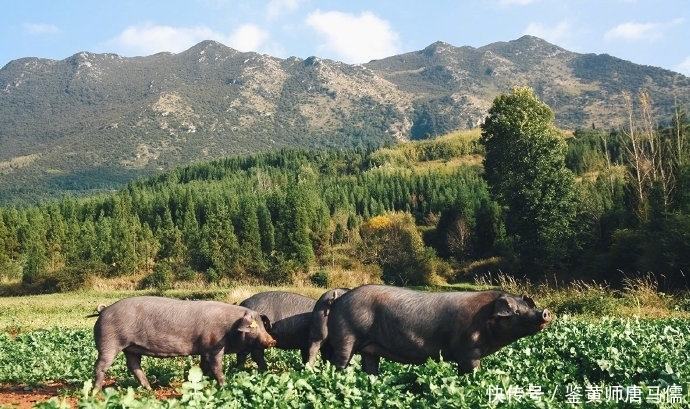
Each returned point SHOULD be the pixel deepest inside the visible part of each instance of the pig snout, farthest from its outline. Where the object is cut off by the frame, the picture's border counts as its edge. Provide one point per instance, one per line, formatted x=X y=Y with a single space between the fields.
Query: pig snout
x=267 y=341
x=546 y=317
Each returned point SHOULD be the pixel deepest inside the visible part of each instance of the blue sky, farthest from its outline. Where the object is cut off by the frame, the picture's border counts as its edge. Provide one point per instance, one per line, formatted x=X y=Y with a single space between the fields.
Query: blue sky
x=642 y=31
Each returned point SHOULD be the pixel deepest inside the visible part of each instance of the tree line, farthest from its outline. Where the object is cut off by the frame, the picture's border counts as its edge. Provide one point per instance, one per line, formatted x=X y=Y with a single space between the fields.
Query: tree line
x=588 y=206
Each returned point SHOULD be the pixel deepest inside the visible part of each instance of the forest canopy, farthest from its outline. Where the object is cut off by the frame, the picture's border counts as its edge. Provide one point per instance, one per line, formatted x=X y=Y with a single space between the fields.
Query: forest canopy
x=418 y=213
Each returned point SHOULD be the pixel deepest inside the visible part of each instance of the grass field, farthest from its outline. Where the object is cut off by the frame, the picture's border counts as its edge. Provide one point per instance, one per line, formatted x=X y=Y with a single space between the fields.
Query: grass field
x=69 y=310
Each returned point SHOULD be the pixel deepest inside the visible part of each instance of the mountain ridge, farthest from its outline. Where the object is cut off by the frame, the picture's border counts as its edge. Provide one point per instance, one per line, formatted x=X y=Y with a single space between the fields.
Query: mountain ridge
x=94 y=121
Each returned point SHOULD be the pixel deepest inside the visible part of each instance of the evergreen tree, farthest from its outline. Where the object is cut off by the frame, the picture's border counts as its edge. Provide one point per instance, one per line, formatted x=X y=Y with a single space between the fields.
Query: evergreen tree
x=123 y=237
x=56 y=237
x=266 y=229
x=338 y=234
x=218 y=246
x=171 y=245
x=32 y=234
x=87 y=249
x=292 y=224
x=147 y=248
x=249 y=236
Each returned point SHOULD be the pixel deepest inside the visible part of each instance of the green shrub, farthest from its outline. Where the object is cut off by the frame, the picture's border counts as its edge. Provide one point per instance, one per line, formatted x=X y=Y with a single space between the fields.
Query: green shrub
x=187 y=274
x=281 y=271
x=160 y=279
x=66 y=279
x=10 y=270
x=394 y=243
x=592 y=303
x=212 y=276
x=320 y=278
x=682 y=304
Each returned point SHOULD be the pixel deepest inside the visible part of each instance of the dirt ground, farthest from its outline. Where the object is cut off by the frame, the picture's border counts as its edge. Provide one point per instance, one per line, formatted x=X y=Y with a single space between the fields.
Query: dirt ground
x=23 y=397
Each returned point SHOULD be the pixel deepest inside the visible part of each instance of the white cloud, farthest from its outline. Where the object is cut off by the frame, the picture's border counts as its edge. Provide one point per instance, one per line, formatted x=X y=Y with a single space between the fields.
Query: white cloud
x=39 y=28
x=641 y=31
x=684 y=67
x=354 y=39
x=147 y=39
x=248 y=37
x=278 y=8
x=634 y=31
x=556 y=35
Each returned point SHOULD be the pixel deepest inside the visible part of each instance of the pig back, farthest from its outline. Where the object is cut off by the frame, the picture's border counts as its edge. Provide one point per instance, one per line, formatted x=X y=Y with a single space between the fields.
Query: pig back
x=159 y=321
x=151 y=311
x=364 y=306
x=405 y=325
x=277 y=305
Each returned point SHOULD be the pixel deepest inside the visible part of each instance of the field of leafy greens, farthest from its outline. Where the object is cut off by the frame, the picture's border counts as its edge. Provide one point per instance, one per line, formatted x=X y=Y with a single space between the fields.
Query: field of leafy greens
x=609 y=363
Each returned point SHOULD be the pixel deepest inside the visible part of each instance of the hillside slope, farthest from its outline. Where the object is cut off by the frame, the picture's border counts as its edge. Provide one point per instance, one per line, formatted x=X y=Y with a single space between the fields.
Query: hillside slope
x=94 y=121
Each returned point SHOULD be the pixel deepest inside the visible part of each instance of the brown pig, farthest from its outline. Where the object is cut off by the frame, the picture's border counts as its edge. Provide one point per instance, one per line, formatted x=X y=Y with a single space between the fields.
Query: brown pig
x=411 y=326
x=164 y=327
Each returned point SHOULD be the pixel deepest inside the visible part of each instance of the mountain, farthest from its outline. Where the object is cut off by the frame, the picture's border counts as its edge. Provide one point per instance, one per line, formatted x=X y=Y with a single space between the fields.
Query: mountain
x=92 y=122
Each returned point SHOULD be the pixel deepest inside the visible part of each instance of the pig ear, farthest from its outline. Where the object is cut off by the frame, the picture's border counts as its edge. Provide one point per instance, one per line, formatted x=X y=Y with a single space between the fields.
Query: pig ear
x=333 y=297
x=503 y=307
x=248 y=324
x=266 y=321
x=529 y=301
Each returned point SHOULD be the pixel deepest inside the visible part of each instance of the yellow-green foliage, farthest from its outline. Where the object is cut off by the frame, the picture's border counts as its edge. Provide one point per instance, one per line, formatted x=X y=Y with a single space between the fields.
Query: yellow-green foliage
x=445 y=148
x=394 y=242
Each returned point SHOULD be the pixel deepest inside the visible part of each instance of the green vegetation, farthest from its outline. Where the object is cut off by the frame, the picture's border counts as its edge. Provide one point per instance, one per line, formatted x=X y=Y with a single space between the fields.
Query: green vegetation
x=613 y=362
x=598 y=345
x=599 y=342
x=260 y=218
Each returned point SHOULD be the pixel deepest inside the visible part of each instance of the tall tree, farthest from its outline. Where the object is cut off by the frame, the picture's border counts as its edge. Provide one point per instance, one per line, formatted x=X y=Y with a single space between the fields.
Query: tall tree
x=32 y=235
x=171 y=244
x=266 y=229
x=292 y=224
x=525 y=169
x=218 y=244
x=124 y=230
x=248 y=235
x=680 y=137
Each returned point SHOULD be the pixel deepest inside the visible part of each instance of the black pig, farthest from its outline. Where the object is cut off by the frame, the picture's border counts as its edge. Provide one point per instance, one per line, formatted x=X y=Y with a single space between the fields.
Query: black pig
x=318 y=328
x=411 y=326
x=290 y=315
x=164 y=327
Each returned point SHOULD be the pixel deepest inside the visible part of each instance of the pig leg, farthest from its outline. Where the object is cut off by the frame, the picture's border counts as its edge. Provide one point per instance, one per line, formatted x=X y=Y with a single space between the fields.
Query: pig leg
x=214 y=366
x=258 y=357
x=343 y=353
x=469 y=362
x=311 y=353
x=134 y=366
x=105 y=359
x=305 y=355
x=370 y=363
x=205 y=366
x=326 y=351
x=241 y=359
